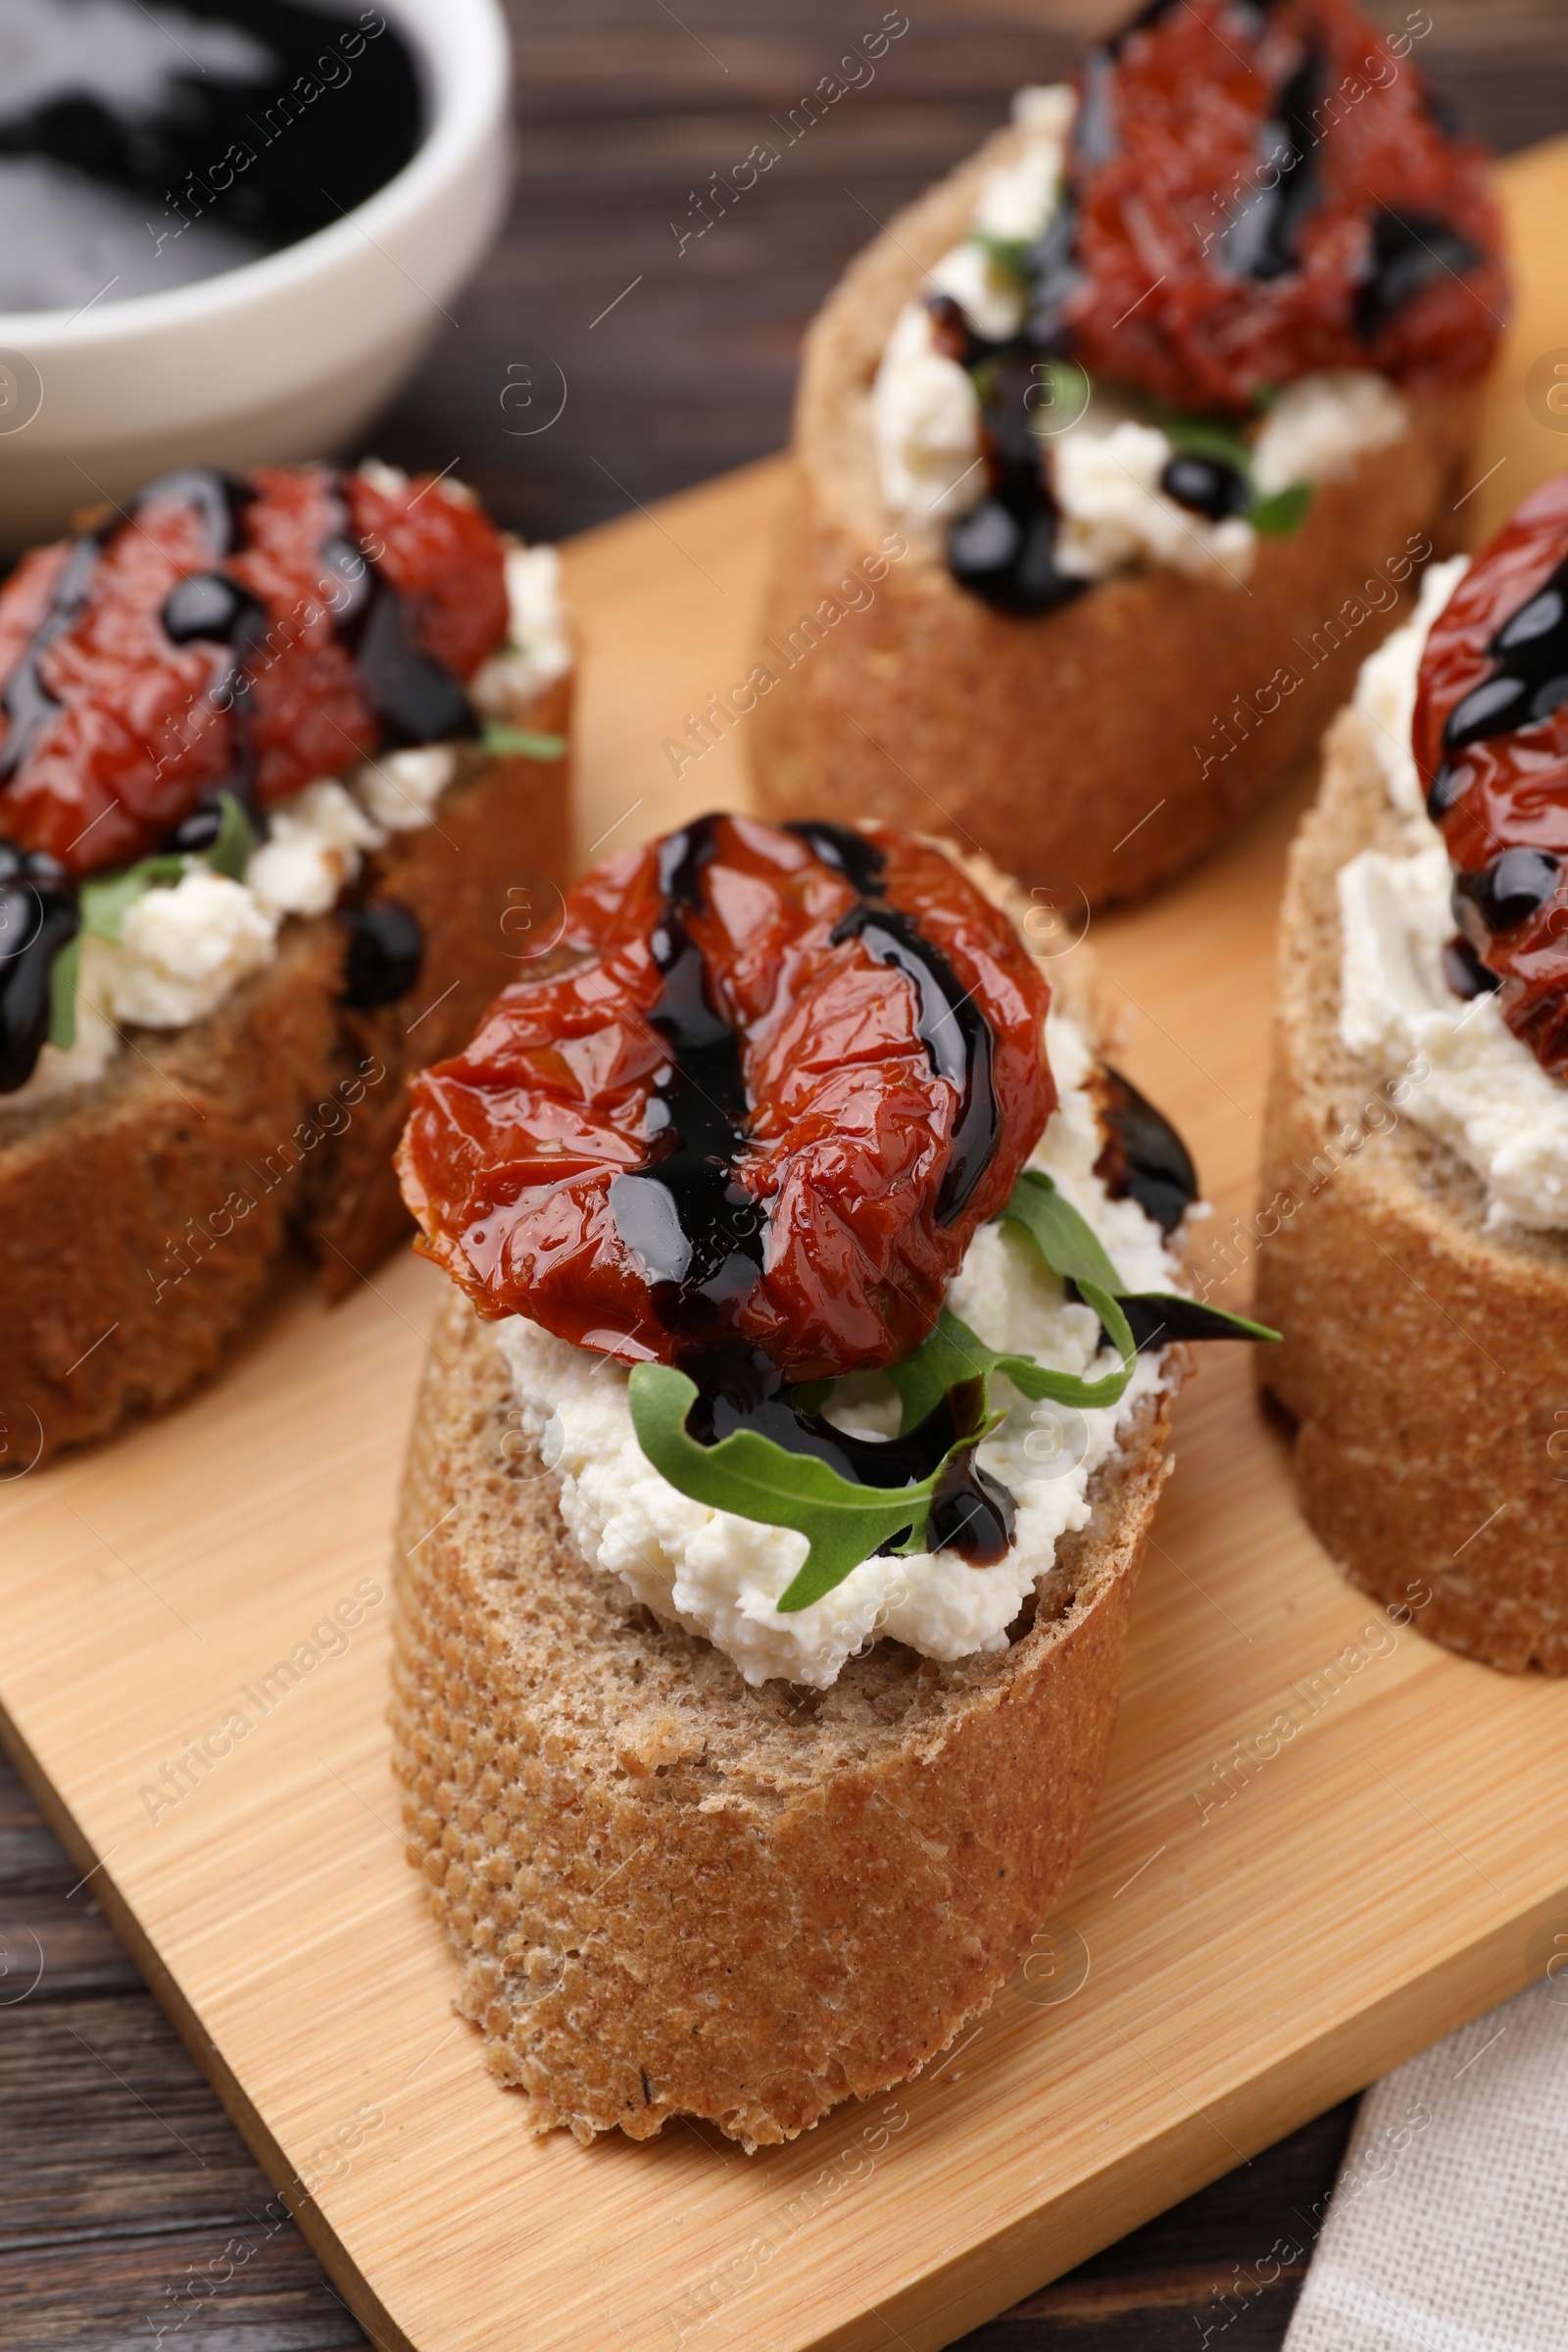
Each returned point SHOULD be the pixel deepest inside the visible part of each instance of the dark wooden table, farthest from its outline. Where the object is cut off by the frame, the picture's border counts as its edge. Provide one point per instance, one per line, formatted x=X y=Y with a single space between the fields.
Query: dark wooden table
x=119 y=2177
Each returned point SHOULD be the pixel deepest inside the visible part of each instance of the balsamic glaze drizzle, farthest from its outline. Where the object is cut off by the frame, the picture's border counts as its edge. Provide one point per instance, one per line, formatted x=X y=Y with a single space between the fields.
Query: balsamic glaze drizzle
x=952 y=1029
x=26 y=700
x=1528 y=683
x=413 y=698
x=696 y=1229
x=700 y=1236
x=1263 y=236
x=1409 y=251
x=1144 y=1158
x=38 y=916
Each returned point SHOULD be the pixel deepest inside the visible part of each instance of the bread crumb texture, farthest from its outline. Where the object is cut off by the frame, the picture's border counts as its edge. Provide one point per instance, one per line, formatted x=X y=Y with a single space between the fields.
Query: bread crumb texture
x=1425 y=1358
x=673 y=1895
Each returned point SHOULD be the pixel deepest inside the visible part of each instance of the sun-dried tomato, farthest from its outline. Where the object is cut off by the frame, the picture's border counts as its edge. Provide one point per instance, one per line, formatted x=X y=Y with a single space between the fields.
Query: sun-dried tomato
x=112 y=728
x=1262 y=191
x=784 y=1076
x=1490 y=739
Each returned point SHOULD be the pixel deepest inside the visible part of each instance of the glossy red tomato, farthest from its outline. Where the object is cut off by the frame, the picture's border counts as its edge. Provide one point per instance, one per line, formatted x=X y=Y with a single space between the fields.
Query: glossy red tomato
x=784 y=1047
x=112 y=731
x=1248 y=179
x=1502 y=797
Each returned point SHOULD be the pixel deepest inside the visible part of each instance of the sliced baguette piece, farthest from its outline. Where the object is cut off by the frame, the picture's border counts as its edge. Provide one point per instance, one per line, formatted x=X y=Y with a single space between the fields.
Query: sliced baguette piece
x=1084 y=743
x=1425 y=1360
x=142 y=1217
x=673 y=1894
x=676 y=1895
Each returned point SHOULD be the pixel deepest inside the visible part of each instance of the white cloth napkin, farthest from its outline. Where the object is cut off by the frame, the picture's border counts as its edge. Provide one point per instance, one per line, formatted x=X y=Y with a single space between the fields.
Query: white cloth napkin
x=1448 y=2225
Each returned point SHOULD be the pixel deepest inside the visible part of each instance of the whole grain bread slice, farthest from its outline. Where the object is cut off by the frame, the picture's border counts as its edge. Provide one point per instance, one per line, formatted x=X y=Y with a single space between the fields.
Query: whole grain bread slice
x=676 y=1895
x=1425 y=1359
x=1093 y=742
x=672 y=1894
x=142 y=1217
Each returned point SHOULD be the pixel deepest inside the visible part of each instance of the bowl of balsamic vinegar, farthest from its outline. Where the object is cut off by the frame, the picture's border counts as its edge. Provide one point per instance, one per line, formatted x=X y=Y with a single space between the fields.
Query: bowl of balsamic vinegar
x=228 y=229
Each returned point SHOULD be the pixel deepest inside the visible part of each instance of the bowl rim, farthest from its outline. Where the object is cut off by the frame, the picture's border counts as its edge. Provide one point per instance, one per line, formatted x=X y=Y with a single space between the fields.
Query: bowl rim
x=463 y=51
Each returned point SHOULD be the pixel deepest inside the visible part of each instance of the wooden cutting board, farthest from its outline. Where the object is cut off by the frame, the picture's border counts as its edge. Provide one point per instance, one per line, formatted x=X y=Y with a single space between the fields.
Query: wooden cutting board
x=1323 y=1842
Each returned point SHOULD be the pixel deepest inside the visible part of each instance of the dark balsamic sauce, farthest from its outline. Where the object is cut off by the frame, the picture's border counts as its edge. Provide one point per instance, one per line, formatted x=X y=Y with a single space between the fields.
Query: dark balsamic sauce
x=255 y=124
x=952 y=1029
x=1263 y=238
x=1465 y=973
x=697 y=1230
x=1144 y=1158
x=26 y=700
x=955 y=1033
x=1529 y=682
x=1206 y=485
x=701 y=1237
x=1409 y=251
x=38 y=916
x=414 y=698
x=385 y=950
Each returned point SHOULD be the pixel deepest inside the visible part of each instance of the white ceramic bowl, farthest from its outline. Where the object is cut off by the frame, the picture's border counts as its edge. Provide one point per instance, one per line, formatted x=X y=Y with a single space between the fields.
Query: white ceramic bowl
x=285 y=357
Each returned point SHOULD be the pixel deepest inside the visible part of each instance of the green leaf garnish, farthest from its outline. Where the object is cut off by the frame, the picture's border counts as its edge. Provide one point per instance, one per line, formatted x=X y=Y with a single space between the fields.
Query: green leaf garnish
x=953 y=1352
x=844 y=1522
x=1275 y=515
x=230 y=851
x=62 y=994
x=1282 y=514
x=105 y=905
x=523 y=742
x=1069 y=1249
x=747 y=1474
x=1010 y=254
x=1203 y=437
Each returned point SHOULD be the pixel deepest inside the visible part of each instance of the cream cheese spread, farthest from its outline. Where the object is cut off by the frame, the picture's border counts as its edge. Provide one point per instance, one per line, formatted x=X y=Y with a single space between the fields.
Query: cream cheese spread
x=1106 y=463
x=1484 y=1094
x=721 y=1576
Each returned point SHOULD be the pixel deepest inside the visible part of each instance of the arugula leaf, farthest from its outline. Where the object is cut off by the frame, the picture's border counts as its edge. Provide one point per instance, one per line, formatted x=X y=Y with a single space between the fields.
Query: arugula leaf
x=1010 y=254
x=747 y=1474
x=1277 y=516
x=106 y=904
x=230 y=851
x=1205 y=439
x=62 y=994
x=953 y=1352
x=1069 y=1249
x=523 y=742
x=1173 y=1315
x=844 y=1523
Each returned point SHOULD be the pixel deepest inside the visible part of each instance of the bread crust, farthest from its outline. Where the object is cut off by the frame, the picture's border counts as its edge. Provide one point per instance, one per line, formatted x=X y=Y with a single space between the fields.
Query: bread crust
x=142 y=1218
x=1082 y=743
x=1425 y=1360
x=676 y=1895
